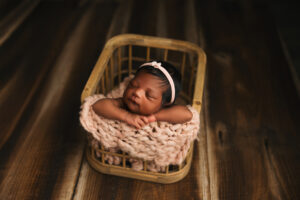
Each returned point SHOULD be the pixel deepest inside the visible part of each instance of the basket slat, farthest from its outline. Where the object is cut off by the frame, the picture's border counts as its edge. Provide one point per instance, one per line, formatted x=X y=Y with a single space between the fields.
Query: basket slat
x=165 y=54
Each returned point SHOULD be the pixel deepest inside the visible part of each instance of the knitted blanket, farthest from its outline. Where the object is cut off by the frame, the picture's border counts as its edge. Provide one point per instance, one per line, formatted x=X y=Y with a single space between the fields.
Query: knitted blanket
x=160 y=143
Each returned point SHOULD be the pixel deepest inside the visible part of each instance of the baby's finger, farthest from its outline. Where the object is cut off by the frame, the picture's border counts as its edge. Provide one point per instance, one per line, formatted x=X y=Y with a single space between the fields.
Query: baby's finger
x=145 y=119
x=151 y=118
x=141 y=122
x=137 y=125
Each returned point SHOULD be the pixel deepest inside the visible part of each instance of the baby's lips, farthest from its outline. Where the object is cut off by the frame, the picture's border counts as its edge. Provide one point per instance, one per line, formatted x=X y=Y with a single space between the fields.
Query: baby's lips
x=133 y=100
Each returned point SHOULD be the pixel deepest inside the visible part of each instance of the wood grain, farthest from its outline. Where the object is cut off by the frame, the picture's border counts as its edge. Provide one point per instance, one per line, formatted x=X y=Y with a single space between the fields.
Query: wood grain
x=45 y=158
x=244 y=103
x=14 y=18
x=22 y=77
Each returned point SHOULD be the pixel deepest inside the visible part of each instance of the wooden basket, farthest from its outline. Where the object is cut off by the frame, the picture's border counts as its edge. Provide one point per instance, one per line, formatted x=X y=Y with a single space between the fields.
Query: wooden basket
x=120 y=57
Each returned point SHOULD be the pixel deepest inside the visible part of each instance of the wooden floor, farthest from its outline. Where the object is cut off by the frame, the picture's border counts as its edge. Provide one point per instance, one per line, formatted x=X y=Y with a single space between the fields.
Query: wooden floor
x=250 y=125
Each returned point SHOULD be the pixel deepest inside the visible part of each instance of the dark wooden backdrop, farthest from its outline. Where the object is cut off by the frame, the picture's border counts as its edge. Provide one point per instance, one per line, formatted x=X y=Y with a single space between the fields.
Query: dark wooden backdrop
x=249 y=121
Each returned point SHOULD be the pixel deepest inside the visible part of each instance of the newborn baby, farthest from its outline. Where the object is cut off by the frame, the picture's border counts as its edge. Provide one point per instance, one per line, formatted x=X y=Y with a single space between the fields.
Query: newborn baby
x=149 y=97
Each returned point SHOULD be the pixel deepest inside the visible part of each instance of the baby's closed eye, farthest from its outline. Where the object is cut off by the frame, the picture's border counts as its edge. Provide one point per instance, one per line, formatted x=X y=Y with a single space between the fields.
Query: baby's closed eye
x=150 y=96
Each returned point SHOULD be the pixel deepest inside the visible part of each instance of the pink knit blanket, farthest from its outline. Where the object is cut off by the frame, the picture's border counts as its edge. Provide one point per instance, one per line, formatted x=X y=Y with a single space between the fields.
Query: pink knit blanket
x=160 y=143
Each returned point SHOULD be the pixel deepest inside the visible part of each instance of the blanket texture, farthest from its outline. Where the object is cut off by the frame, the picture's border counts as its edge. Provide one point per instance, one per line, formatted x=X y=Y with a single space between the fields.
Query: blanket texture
x=160 y=143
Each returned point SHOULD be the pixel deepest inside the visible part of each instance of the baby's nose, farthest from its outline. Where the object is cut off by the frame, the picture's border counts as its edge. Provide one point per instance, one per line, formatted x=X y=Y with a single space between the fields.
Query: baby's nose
x=139 y=92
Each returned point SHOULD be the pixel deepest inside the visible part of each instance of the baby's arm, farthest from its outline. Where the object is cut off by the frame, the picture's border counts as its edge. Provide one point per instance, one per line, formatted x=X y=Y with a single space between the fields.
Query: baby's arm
x=174 y=114
x=112 y=109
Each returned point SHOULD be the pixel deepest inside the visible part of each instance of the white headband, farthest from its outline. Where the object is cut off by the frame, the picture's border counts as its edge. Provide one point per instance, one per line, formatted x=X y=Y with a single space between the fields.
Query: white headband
x=166 y=73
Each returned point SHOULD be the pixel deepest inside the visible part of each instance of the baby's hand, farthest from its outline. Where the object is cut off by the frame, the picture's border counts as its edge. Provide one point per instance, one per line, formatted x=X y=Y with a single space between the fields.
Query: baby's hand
x=137 y=121
x=151 y=118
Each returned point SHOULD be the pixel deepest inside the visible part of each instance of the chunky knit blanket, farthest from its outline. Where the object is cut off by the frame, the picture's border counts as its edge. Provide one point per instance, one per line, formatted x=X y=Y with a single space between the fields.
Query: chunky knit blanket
x=160 y=143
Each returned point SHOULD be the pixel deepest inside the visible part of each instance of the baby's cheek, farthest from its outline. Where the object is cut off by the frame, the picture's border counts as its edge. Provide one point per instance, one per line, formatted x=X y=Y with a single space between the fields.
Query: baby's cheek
x=151 y=109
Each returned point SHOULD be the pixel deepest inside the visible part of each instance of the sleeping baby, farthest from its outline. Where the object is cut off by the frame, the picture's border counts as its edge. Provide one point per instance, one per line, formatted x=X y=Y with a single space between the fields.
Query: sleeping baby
x=149 y=97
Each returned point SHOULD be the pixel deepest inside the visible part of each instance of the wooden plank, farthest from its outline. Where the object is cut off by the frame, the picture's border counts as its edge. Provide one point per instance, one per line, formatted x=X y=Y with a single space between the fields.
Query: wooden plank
x=77 y=59
x=244 y=98
x=6 y=6
x=120 y=21
x=194 y=33
x=190 y=22
x=281 y=139
x=175 y=18
x=21 y=78
x=92 y=184
x=24 y=158
x=11 y=22
x=161 y=25
x=143 y=11
x=291 y=65
x=44 y=161
x=101 y=186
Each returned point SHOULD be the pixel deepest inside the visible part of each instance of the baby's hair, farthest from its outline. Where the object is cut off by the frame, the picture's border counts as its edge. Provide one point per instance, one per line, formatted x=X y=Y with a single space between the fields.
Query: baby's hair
x=174 y=73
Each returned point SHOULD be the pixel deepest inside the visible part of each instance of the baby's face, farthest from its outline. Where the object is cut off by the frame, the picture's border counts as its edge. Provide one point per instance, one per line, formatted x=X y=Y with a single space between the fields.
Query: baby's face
x=143 y=94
